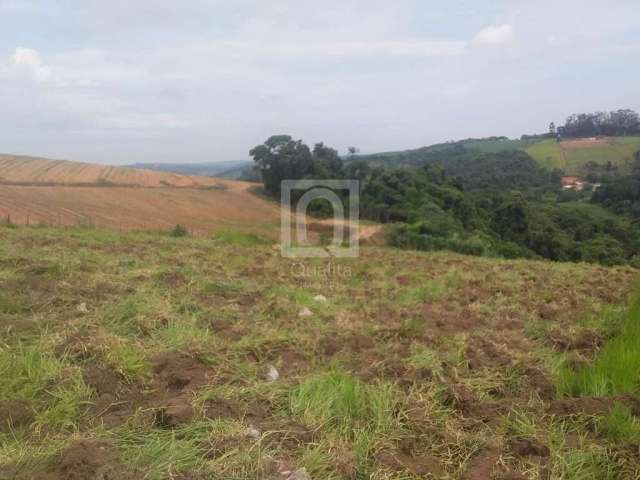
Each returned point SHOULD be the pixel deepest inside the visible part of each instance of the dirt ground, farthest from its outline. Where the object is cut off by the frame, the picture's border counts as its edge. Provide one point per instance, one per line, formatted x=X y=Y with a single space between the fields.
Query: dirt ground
x=145 y=356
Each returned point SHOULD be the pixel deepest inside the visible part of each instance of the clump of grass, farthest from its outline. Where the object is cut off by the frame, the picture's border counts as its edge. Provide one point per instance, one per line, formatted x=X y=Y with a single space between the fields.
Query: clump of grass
x=26 y=371
x=126 y=359
x=138 y=314
x=430 y=290
x=616 y=369
x=620 y=425
x=55 y=390
x=222 y=288
x=179 y=231
x=65 y=403
x=23 y=454
x=180 y=334
x=234 y=237
x=318 y=462
x=162 y=453
x=568 y=462
x=422 y=356
x=413 y=326
x=342 y=403
x=593 y=464
x=10 y=305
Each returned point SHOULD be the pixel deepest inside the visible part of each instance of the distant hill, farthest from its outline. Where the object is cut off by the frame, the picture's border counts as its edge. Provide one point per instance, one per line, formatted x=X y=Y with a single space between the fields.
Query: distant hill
x=572 y=156
x=227 y=169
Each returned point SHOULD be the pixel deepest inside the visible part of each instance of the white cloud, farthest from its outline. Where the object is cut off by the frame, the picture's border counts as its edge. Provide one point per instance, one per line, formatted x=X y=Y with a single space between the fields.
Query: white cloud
x=26 y=61
x=494 y=35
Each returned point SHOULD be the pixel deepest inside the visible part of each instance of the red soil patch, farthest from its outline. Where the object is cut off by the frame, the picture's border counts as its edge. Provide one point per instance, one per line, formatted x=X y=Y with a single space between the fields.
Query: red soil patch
x=594 y=405
x=421 y=465
x=482 y=465
x=481 y=352
x=462 y=399
x=15 y=414
x=587 y=342
x=167 y=395
x=33 y=170
x=89 y=460
x=115 y=400
x=529 y=447
x=176 y=378
x=448 y=319
x=201 y=211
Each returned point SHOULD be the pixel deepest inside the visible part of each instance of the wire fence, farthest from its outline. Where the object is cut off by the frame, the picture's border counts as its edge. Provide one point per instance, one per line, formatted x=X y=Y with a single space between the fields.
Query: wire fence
x=88 y=221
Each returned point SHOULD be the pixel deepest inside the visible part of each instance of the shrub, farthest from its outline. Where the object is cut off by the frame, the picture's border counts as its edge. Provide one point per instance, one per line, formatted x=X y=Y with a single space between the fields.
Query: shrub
x=179 y=231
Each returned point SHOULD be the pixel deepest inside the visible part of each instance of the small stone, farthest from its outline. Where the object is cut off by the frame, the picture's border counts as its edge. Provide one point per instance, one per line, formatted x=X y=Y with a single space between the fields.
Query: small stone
x=254 y=433
x=305 y=312
x=300 y=474
x=320 y=299
x=82 y=308
x=272 y=374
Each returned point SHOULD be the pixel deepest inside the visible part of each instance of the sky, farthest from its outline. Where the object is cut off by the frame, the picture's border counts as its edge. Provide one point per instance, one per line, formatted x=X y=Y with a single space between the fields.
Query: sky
x=119 y=82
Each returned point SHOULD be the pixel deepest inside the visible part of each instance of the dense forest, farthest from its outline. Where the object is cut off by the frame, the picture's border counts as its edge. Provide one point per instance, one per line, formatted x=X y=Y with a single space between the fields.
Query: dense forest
x=455 y=197
x=611 y=124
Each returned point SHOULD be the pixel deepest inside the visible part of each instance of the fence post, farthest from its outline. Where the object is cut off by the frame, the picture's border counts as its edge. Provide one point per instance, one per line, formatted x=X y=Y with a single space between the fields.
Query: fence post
x=27 y=219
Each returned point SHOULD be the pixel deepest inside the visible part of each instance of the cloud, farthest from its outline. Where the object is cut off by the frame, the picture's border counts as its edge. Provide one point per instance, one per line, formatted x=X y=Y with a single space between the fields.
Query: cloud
x=26 y=61
x=494 y=35
x=208 y=80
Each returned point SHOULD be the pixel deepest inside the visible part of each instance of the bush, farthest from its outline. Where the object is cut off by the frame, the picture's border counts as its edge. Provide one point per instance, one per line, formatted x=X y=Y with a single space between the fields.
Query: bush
x=179 y=231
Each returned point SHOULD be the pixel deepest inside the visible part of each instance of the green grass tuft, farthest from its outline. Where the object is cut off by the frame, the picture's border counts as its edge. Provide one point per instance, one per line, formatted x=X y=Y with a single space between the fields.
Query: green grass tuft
x=616 y=370
x=620 y=425
x=342 y=403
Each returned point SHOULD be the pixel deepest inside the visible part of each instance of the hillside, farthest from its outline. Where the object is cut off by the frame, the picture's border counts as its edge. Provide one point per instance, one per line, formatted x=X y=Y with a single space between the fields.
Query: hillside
x=58 y=192
x=573 y=155
x=143 y=356
x=210 y=169
x=33 y=170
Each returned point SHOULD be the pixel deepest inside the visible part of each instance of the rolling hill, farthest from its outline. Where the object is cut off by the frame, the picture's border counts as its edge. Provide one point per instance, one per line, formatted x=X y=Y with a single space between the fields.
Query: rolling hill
x=209 y=169
x=572 y=156
x=60 y=192
x=33 y=170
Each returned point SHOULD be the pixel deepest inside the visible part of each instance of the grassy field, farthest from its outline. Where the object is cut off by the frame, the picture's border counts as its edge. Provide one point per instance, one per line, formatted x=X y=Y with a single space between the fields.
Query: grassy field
x=142 y=356
x=572 y=156
x=494 y=146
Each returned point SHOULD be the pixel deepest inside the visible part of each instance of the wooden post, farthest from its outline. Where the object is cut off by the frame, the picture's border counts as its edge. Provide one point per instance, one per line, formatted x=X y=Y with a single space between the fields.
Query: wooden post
x=27 y=219
x=8 y=219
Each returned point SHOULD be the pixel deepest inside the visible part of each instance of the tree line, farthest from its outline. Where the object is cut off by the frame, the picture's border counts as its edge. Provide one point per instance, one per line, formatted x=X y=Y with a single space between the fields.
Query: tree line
x=494 y=204
x=612 y=124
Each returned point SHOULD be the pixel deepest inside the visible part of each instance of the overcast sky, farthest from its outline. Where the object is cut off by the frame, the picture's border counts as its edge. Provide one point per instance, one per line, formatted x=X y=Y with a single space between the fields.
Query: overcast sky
x=205 y=80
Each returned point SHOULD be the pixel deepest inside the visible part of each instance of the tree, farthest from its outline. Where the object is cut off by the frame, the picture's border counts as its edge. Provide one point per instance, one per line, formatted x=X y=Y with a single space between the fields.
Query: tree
x=552 y=128
x=281 y=158
x=326 y=162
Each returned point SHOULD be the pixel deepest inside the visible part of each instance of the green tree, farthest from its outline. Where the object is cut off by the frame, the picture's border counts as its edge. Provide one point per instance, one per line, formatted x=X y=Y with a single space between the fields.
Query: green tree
x=282 y=158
